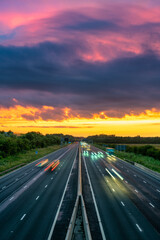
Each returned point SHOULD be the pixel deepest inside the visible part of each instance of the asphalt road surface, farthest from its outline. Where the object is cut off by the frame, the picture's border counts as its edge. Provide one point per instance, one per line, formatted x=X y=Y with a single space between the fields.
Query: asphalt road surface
x=122 y=202
x=128 y=199
x=30 y=197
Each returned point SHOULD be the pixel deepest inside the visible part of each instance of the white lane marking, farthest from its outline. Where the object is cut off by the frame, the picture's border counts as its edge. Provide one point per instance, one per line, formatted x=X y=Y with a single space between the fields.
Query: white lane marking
x=117 y=174
x=95 y=204
x=46 y=186
x=23 y=217
x=157 y=190
x=113 y=190
x=3 y=187
x=144 y=181
x=26 y=173
x=37 y=197
x=51 y=178
x=25 y=186
x=126 y=181
x=138 y=227
x=135 y=175
x=110 y=173
x=17 y=179
x=136 y=191
x=60 y=204
x=151 y=205
x=11 y=198
x=122 y=203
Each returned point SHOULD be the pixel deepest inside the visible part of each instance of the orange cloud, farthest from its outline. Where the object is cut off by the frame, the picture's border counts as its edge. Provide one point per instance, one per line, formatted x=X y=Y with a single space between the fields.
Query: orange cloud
x=22 y=119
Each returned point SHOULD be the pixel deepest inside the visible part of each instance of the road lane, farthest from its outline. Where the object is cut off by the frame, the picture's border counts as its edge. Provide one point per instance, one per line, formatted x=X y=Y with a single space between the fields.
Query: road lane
x=23 y=175
x=31 y=215
x=141 y=187
x=121 y=219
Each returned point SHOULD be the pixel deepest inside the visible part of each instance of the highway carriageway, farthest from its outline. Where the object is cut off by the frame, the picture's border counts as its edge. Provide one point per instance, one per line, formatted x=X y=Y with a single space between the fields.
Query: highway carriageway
x=127 y=198
x=30 y=196
x=39 y=204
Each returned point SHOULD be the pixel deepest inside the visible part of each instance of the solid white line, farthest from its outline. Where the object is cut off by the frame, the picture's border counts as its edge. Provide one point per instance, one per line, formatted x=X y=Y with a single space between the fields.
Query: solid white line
x=58 y=210
x=110 y=173
x=95 y=204
x=117 y=174
x=122 y=204
x=151 y=205
x=37 y=197
x=138 y=227
x=158 y=190
x=46 y=186
x=11 y=198
x=23 y=217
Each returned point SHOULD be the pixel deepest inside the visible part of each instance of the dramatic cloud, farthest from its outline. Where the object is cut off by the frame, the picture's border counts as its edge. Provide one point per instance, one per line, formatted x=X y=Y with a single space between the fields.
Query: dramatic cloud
x=91 y=58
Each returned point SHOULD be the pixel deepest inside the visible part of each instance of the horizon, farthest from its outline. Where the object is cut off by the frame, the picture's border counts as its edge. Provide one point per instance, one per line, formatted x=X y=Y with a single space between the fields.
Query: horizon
x=82 y=68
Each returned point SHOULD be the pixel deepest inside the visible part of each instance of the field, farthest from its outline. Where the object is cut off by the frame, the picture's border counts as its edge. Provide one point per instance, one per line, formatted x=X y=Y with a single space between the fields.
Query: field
x=6 y=164
x=140 y=145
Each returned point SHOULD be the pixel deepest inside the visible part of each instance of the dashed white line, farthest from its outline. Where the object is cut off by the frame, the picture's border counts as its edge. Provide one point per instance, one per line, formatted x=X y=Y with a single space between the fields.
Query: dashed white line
x=37 y=197
x=136 y=190
x=23 y=217
x=17 y=179
x=46 y=186
x=151 y=205
x=144 y=181
x=138 y=227
x=11 y=198
x=126 y=181
x=3 y=187
x=51 y=178
x=157 y=190
x=122 y=203
x=25 y=186
x=113 y=190
x=135 y=175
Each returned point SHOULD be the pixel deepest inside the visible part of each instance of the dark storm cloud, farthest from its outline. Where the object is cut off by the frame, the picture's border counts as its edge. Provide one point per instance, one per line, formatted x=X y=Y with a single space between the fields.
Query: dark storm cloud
x=53 y=74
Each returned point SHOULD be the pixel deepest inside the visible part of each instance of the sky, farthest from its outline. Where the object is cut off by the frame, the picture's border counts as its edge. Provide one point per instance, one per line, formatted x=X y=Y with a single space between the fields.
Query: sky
x=80 y=67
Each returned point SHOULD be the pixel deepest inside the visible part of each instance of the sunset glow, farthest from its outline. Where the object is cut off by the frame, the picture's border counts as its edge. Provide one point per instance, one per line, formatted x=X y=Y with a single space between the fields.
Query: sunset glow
x=80 y=68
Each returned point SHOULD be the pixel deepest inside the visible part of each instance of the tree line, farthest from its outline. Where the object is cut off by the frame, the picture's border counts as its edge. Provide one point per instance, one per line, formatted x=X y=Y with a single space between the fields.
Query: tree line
x=11 y=144
x=102 y=138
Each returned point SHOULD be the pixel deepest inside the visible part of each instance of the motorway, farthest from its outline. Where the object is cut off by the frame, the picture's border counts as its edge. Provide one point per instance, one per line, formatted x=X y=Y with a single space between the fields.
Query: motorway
x=128 y=199
x=121 y=200
x=30 y=197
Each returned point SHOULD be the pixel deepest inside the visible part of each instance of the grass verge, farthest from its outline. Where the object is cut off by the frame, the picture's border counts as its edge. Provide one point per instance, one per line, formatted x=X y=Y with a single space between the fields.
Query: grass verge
x=12 y=162
x=148 y=162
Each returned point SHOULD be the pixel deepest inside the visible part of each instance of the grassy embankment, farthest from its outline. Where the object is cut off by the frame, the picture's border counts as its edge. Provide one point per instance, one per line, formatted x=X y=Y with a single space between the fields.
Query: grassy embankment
x=24 y=158
x=149 y=162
